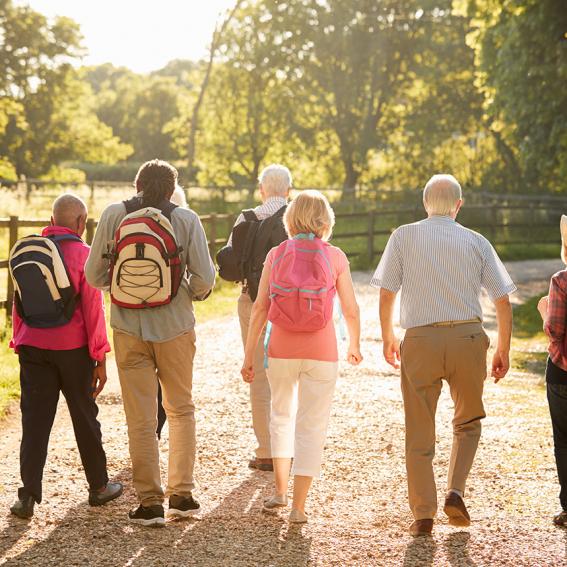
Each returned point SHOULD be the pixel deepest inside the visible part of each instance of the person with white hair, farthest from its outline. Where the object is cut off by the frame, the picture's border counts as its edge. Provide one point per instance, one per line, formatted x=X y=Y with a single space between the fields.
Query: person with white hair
x=441 y=267
x=65 y=355
x=256 y=232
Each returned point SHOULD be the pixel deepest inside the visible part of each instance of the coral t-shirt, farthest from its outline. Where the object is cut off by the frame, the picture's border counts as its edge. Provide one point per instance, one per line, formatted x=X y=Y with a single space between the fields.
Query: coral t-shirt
x=315 y=345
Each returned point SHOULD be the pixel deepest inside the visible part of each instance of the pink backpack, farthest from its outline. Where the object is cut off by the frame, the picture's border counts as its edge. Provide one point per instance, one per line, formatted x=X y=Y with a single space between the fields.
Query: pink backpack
x=302 y=287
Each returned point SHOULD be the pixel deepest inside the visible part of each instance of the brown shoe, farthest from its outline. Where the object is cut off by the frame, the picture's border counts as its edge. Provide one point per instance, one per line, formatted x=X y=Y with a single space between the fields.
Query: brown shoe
x=456 y=511
x=421 y=527
x=261 y=464
x=560 y=519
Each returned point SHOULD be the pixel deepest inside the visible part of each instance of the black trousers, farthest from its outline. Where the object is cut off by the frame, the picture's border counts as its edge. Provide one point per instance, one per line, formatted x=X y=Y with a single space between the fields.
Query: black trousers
x=43 y=374
x=557 y=398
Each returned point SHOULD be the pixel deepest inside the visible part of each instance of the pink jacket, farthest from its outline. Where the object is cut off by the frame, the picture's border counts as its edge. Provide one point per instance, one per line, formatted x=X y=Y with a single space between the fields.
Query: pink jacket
x=87 y=326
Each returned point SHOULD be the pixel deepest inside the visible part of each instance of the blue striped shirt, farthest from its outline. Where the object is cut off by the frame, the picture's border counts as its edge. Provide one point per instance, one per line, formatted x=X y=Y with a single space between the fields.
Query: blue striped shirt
x=440 y=267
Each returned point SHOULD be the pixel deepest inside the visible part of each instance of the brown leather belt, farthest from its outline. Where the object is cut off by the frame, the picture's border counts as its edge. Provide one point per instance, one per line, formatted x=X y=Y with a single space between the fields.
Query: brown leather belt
x=454 y=323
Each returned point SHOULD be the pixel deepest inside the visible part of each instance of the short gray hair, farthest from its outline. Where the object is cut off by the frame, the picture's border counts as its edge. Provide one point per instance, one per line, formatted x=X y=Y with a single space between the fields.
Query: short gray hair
x=67 y=208
x=275 y=179
x=441 y=194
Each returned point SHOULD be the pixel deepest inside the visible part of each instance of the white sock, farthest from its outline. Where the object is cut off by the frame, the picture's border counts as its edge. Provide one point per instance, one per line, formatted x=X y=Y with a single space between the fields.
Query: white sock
x=456 y=491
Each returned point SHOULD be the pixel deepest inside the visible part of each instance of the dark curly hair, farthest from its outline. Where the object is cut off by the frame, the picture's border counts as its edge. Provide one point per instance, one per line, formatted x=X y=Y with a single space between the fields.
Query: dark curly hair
x=157 y=179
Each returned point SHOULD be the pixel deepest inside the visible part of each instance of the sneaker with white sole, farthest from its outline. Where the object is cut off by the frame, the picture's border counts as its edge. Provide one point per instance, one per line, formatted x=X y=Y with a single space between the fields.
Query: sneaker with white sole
x=148 y=516
x=183 y=506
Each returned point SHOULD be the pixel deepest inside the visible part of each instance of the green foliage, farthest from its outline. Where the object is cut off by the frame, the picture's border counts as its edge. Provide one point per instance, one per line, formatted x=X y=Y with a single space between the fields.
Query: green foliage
x=46 y=110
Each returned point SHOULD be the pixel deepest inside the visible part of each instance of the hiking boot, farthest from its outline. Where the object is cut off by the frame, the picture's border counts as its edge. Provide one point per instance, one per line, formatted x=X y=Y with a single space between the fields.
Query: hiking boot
x=111 y=491
x=23 y=507
x=148 y=516
x=182 y=506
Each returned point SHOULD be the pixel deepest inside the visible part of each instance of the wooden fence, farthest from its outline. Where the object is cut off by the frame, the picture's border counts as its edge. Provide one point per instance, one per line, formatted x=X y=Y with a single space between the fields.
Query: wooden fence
x=511 y=224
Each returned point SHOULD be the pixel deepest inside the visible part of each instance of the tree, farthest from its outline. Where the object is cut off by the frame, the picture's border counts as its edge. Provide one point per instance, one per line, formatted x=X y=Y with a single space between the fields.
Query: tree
x=521 y=51
x=46 y=112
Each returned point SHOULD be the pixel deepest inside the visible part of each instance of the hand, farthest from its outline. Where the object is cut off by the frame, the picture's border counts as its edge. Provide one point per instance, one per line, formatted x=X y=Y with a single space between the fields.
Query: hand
x=353 y=356
x=542 y=306
x=500 y=365
x=99 y=378
x=247 y=370
x=392 y=351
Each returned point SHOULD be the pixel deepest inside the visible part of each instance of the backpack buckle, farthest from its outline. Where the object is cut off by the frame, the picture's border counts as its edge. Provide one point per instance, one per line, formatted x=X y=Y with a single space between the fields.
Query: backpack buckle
x=140 y=246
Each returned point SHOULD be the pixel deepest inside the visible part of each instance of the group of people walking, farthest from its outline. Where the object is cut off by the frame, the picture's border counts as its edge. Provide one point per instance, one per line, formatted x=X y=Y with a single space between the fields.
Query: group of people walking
x=153 y=258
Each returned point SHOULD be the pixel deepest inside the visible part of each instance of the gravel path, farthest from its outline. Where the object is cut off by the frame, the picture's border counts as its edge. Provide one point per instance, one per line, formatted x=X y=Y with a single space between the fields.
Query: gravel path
x=359 y=512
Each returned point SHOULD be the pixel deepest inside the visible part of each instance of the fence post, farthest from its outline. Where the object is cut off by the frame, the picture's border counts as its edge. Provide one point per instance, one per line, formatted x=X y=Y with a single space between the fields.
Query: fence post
x=13 y=239
x=92 y=186
x=370 y=245
x=212 y=234
x=90 y=230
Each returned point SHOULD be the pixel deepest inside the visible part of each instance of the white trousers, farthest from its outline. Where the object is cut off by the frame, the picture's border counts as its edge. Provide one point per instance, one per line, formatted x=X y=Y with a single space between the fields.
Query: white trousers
x=302 y=393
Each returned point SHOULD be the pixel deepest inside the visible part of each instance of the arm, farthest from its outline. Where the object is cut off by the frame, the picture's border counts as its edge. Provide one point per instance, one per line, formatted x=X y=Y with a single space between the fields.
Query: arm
x=555 y=312
x=92 y=307
x=351 y=313
x=257 y=322
x=200 y=267
x=96 y=267
x=501 y=358
x=391 y=343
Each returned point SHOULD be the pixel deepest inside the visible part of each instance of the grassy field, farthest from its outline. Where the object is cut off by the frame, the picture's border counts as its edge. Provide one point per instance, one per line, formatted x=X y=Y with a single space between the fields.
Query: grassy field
x=529 y=343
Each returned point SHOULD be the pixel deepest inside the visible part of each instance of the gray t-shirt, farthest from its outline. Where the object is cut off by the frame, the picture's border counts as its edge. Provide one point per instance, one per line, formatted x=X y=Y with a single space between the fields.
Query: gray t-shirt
x=157 y=324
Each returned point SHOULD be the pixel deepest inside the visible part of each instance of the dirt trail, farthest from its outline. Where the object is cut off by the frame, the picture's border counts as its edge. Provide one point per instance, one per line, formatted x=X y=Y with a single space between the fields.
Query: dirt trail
x=359 y=512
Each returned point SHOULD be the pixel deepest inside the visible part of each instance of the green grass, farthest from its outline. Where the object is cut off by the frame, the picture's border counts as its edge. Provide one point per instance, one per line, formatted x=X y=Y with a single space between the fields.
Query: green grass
x=9 y=376
x=529 y=343
x=515 y=252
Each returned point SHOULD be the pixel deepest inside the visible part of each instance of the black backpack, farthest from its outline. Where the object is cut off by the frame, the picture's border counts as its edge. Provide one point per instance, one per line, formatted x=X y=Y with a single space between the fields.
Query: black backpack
x=44 y=295
x=252 y=239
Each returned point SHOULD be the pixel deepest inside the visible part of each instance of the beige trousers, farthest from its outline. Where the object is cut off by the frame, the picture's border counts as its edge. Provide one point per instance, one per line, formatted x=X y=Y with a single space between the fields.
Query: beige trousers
x=137 y=362
x=430 y=355
x=260 y=396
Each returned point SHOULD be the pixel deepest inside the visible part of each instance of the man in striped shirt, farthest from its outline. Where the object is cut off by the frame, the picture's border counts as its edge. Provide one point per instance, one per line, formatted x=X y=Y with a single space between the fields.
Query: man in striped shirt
x=441 y=267
x=274 y=185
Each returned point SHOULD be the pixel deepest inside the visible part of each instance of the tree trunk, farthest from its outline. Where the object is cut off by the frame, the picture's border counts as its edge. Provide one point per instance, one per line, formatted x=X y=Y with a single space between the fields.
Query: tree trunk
x=510 y=159
x=350 y=180
x=215 y=42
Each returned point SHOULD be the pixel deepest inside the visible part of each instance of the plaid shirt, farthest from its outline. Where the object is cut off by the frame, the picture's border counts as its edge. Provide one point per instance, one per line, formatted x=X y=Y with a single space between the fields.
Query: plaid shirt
x=555 y=326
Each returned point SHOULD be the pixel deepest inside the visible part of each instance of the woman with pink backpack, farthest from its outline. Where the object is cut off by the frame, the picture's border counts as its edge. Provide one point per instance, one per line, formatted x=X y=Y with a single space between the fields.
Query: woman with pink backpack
x=300 y=280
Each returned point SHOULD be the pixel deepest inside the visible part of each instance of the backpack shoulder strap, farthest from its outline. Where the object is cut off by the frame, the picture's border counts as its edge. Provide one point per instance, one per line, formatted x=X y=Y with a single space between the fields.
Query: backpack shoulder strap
x=132 y=205
x=249 y=215
x=166 y=208
x=61 y=237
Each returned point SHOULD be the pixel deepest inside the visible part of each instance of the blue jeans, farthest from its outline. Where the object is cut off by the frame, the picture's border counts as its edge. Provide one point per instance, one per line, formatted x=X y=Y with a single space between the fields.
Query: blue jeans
x=557 y=398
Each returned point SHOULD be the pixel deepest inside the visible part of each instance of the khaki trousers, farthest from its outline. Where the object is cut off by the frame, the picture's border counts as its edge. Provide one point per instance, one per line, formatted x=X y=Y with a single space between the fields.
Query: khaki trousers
x=429 y=355
x=260 y=395
x=138 y=361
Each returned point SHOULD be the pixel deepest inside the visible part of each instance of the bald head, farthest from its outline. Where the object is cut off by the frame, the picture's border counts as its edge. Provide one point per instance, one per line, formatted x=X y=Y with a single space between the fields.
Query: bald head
x=442 y=195
x=70 y=211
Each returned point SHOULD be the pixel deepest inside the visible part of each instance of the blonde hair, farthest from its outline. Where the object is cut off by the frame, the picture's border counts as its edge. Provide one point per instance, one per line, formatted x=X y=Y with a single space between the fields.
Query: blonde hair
x=309 y=212
x=441 y=195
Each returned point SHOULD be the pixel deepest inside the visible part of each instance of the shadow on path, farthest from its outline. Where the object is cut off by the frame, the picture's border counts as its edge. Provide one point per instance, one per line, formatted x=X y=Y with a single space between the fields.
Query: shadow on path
x=420 y=552
x=235 y=532
x=456 y=549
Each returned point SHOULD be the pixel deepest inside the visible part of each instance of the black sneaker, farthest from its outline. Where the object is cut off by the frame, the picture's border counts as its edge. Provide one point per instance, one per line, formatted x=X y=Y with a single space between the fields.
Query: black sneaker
x=111 y=491
x=182 y=507
x=150 y=516
x=23 y=507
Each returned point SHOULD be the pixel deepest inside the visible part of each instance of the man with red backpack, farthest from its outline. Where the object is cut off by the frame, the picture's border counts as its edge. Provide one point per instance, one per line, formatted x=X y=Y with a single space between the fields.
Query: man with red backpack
x=59 y=333
x=255 y=233
x=154 y=257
